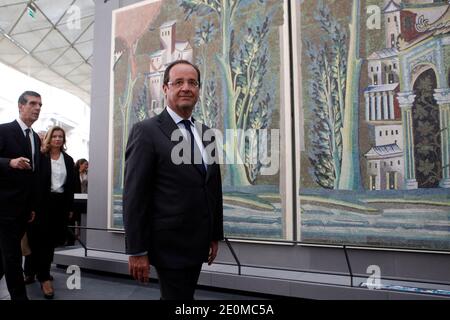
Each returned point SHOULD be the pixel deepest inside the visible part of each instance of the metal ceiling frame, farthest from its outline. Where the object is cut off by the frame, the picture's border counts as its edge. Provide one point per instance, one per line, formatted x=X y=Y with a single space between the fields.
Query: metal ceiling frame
x=8 y=34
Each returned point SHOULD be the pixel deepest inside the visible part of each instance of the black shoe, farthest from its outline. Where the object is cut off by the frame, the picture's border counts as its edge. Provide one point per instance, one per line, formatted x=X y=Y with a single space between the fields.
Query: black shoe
x=29 y=279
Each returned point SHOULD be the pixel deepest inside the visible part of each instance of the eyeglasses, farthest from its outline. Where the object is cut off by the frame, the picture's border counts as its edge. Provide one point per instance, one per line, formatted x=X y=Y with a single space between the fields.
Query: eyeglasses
x=180 y=82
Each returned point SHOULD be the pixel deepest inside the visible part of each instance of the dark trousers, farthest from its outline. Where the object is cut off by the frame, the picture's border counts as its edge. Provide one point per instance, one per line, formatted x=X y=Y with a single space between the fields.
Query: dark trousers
x=48 y=232
x=11 y=233
x=28 y=266
x=178 y=284
x=39 y=262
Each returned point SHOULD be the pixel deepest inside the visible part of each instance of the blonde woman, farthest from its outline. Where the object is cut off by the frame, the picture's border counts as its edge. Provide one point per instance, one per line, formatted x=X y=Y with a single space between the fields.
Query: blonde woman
x=56 y=179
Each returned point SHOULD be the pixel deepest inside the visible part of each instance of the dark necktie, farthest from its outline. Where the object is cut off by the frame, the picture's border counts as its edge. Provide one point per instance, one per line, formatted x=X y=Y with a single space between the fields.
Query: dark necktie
x=29 y=149
x=194 y=148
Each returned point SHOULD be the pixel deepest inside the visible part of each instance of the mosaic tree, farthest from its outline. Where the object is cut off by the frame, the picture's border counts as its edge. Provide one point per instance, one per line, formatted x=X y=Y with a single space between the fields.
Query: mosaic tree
x=350 y=178
x=242 y=69
x=128 y=35
x=335 y=74
x=327 y=85
x=208 y=111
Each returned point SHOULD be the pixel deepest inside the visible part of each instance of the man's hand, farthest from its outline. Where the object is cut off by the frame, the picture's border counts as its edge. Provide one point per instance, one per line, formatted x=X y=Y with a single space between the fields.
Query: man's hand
x=20 y=163
x=213 y=248
x=139 y=267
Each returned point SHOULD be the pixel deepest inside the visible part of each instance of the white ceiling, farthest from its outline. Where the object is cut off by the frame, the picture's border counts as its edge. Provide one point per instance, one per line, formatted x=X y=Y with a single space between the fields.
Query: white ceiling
x=55 y=46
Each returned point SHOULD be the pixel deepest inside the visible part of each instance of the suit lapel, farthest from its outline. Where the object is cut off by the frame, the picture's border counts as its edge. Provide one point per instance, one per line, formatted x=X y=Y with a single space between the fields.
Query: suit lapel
x=19 y=137
x=167 y=125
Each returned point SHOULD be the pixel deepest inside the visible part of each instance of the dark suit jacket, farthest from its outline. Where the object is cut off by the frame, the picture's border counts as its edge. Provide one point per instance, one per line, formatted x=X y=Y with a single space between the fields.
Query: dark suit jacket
x=52 y=215
x=17 y=196
x=45 y=182
x=76 y=181
x=172 y=211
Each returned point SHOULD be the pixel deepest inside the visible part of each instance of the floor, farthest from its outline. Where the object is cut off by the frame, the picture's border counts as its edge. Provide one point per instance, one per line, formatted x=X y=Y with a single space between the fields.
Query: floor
x=104 y=286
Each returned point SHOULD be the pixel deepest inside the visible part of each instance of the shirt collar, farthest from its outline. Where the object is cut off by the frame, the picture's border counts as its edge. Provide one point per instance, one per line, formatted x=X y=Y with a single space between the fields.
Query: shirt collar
x=23 y=126
x=175 y=117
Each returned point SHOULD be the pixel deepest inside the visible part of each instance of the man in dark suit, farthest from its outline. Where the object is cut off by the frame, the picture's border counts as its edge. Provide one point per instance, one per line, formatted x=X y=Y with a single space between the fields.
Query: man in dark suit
x=19 y=157
x=172 y=212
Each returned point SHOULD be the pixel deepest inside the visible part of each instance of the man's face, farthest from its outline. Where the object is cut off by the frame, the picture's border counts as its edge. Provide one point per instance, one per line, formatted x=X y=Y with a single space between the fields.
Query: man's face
x=29 y=112
x=181 y=91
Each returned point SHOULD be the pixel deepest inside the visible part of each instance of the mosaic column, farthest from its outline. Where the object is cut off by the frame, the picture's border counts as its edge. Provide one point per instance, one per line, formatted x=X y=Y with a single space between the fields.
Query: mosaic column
x=379 y=105
x=372 y=107
x=442 y=96
x=406 y=100
x=391 y=105
x=385 y=106
x=367 y=97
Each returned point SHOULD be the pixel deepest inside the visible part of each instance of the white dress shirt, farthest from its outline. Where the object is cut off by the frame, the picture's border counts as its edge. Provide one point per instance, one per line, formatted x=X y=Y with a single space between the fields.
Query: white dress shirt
x=185 y=133
x=59 y=174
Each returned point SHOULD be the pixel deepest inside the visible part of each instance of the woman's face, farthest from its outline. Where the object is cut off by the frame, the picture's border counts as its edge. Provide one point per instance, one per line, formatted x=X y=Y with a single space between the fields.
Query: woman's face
x=84 y=167
x=57 y=140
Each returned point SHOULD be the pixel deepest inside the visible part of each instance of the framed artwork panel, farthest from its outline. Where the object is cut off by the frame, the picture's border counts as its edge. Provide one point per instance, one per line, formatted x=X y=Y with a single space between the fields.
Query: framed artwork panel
x=372 y=97
x=242 y=50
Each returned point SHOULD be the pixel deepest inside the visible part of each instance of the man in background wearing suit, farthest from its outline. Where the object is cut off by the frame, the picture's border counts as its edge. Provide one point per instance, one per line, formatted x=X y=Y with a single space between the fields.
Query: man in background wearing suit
x=173 y=214
x=19 y=157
